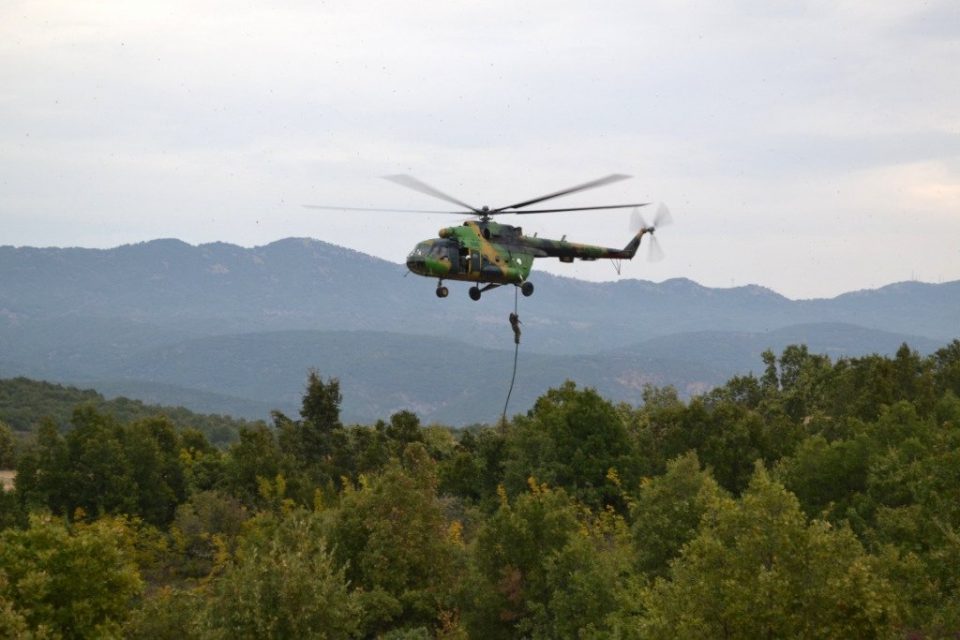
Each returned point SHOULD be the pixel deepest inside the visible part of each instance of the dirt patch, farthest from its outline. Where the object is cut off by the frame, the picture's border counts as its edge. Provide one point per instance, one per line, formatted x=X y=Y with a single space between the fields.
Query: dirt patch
x=7 y=476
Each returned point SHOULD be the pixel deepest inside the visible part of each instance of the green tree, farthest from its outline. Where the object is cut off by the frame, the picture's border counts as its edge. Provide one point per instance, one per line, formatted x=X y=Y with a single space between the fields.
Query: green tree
x=946 y=368
x=770 y=382
x=745 y=391
x=914 y=490
x=321 y=402
x=7 y=447
x=103 y=467
x=403 y=429
x=77 y=582
x=168 y=614
x=828 y=478
x=667 y=511
x=42 y=471
x=203 y=464
x=12 y=623
x=546 y=567
x=208 y=522
x=314 y=438
x=475 y=467
x=370 y=448
x=571 y=439
x=253 y=457
x=152 y=449
x=399 y=549
x=728 y=436
x=316 y=448
x=758 y=569
x=284 y=583
x=803 y=377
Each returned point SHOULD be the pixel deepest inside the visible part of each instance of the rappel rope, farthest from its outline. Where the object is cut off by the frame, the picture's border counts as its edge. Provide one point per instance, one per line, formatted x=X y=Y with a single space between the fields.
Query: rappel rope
x=516 y=352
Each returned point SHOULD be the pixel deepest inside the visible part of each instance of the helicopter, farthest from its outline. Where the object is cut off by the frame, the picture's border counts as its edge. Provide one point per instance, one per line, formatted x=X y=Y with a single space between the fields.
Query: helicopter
x=491 y=254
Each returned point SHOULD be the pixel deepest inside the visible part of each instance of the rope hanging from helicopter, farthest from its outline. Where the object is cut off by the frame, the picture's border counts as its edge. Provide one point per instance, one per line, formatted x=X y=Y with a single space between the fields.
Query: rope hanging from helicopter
x=515 y=325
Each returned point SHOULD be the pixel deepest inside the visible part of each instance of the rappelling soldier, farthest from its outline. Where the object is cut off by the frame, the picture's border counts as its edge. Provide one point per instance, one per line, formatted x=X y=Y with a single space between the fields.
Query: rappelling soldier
x=515 y=325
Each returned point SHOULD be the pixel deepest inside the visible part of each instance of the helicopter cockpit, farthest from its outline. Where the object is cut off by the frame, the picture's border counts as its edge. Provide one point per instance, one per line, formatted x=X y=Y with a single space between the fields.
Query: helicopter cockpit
x=433 y=251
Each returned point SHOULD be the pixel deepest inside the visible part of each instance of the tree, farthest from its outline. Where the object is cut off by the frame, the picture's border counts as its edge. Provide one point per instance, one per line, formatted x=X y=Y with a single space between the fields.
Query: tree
x=43 y=469
x=320 y=406
x=152 y=450
x=399 y=549
x=403 y=429
x=946 y=367
x=103 y=467
x=770 y=382
x=827 y=475
x=206 y=523
x=667 y=511
x=203 y=464
x=802 y=378
x=370 y=450
x=545 y=567
x=12 y=622
x=313 y=436
x=254 y=456
x=745 y=391
x=168 y=614
x=758 y=569
x=7 y=447
x=283 y=583
x=316 y=448
x=571 y=439
x=77 y=582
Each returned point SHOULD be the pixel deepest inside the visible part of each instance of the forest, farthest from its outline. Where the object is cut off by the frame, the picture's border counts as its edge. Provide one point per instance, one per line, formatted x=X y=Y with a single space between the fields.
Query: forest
x=820 y=499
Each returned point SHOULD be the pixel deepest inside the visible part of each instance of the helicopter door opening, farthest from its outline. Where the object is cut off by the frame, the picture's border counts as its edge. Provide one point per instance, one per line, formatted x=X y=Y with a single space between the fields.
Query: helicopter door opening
x=454 y=258
x=474 y=262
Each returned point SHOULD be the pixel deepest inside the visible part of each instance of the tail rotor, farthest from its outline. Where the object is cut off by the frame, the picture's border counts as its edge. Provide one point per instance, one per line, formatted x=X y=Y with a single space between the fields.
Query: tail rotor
x=661 y=218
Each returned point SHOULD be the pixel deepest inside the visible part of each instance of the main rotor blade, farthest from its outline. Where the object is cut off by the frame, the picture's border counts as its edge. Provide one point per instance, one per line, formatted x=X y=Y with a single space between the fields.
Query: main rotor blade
x=609 y=206
x=614 y=177
x=320 y=206
x=412 y=183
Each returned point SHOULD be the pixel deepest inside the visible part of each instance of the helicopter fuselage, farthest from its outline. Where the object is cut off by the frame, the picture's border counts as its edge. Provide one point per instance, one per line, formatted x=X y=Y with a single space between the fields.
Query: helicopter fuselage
x=488 y=252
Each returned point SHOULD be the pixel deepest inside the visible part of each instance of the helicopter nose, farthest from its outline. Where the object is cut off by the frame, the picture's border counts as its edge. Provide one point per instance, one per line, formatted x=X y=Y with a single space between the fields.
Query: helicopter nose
x=415 y=263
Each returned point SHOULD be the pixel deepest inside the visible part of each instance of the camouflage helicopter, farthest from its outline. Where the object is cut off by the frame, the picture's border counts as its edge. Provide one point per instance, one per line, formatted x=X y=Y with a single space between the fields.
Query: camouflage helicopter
x=491 y=254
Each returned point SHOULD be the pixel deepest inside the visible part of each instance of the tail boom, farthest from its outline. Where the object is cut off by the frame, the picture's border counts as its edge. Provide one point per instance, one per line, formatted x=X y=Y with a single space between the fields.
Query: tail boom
x=568 y=251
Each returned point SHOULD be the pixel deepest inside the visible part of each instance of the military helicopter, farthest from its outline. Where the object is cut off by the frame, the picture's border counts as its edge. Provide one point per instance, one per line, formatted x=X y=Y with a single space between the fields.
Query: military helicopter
x=491 y=254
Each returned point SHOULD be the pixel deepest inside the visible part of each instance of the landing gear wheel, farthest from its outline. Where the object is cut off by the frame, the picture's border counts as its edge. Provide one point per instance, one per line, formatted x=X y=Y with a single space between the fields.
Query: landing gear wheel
x=474 y=293
x=526 y=289
x=442 y=292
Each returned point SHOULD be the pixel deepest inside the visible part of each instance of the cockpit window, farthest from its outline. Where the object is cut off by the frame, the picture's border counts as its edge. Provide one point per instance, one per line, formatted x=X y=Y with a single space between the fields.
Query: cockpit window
x=436 y=250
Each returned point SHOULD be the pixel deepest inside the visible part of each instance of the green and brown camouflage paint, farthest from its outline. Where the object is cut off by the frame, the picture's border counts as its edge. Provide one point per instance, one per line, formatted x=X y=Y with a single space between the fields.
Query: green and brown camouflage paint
x=486 y=251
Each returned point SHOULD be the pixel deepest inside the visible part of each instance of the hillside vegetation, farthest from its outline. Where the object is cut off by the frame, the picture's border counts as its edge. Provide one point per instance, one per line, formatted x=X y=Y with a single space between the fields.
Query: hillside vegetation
x=819 y=499
x=25 y=403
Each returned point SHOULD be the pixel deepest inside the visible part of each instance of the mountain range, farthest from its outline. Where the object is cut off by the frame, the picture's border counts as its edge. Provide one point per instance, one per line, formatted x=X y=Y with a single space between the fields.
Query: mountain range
x=226 y=329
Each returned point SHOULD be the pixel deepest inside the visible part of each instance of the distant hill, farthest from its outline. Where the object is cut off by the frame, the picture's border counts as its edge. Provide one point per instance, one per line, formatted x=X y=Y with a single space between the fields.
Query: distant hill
x=24 y=403
x=221 y=328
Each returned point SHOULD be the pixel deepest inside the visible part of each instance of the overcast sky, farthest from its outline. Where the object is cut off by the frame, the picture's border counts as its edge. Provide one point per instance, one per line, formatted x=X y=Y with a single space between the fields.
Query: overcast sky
x=810 y=147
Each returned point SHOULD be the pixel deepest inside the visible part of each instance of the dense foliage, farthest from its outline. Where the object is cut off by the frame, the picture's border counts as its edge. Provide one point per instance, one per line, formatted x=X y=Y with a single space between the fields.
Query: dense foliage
x=819 y=500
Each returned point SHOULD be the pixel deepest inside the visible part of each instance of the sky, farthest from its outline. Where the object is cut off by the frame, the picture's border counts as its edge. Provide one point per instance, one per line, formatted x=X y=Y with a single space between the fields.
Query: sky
x=809 y=147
